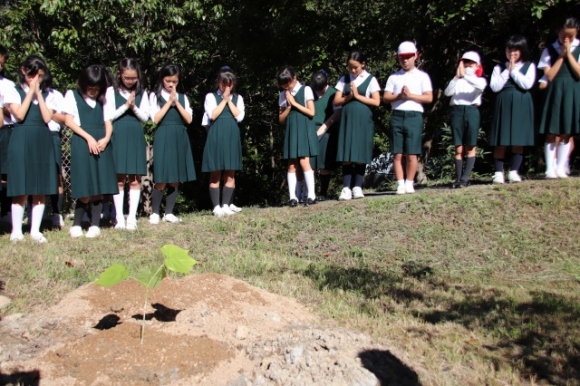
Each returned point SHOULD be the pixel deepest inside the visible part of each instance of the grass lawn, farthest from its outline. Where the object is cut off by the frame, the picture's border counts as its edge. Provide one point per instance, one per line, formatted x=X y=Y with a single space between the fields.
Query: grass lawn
x=472 y=286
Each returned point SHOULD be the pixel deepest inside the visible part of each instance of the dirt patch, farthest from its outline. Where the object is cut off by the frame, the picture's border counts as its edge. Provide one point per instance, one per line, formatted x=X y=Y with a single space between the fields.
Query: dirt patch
x=202 y=329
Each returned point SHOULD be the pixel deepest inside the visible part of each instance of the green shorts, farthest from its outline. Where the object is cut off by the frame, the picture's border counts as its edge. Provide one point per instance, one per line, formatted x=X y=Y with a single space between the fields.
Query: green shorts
x=406 y=129
x=465 y=122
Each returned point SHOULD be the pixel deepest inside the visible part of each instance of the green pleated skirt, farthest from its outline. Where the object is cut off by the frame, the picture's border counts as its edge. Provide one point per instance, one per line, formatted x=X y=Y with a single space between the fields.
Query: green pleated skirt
x=5 y=133
x=512 y=122
x=223 y=147
x=172 y=156
x=128 y=146
x=561 y=110
x=356 y=134
x=300 y=138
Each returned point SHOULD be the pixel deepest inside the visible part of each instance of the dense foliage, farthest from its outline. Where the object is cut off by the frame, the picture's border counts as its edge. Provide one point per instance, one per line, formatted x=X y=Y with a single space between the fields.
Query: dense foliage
x=256 y=37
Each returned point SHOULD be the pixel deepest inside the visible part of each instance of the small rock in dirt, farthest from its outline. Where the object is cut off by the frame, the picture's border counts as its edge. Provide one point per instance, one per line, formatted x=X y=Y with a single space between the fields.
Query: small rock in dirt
x=242 y=332
x=239 y=381
x=12 y=317
x=4 y=301
x=274 y=316
x=116 y=308
x=293 y=355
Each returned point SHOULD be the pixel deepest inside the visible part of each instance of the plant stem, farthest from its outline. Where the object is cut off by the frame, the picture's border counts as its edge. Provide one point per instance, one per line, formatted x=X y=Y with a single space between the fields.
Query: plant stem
x=144 y=311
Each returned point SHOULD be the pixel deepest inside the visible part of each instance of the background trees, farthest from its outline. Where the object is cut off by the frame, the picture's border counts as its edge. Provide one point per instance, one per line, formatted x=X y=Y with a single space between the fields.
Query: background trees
x=256 y=37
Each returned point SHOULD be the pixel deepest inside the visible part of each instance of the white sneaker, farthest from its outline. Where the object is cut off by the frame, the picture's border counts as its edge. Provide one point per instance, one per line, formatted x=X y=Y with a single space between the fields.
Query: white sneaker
x=550 y=174
x=227 y=211
x=76 y=231
x=170 y=218
x=93 y=232
x=357 y=193
x=234 y=208
x=154 y=219
x=513 y=176
x=498 y=178
x=16 y=237
x=409 y=188
x=345 y=195
x=131 y=224
x=561 y=173
x=38 y=237
x=218 y=212
x=57 y=221
x=120 y=223
x=401 y=189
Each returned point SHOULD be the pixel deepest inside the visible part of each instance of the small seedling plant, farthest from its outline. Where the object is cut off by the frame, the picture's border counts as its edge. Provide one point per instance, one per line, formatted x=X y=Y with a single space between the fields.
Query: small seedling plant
x=176 y=260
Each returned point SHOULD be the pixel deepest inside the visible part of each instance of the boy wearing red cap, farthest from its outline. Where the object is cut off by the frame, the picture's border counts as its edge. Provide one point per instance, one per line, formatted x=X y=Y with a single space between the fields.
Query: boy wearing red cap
x=465 y=90
x=406 y=90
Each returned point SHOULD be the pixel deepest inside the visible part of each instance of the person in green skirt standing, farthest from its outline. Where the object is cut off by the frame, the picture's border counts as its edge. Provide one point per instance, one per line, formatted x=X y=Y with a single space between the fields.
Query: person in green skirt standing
x=296 y=110
x=222 y=154
x=5 y=132
x=172 y=157
x=326 y=118
x=127 y=108
x=92 y=167
x=356 y=93
x=31 y=158
x=512 y=123
x=561 y=111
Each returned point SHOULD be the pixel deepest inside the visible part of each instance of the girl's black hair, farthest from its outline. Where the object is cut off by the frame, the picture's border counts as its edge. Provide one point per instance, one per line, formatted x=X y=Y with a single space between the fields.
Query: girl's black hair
x=226 y=76
x=518 y=42
x=168 y=70
x=128 y=64
x=358 y=56
x=31 y=66
x=319 y=80
x=285 y=75
x=92 y=76
x=571 y=22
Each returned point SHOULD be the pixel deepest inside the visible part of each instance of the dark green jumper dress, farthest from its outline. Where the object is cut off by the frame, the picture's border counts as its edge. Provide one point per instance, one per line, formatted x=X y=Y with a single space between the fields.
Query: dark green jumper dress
x=31 y=158
x=327 y=145
x=355 y=137
x=128 y=141
x=300 y=138
x=172 y=156
x=91 y=174
x=561 y=112
x=512 y=122
x=223 y=146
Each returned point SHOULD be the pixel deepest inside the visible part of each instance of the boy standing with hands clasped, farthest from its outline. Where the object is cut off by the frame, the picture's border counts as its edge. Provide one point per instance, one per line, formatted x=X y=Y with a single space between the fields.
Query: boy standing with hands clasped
x=406 y=90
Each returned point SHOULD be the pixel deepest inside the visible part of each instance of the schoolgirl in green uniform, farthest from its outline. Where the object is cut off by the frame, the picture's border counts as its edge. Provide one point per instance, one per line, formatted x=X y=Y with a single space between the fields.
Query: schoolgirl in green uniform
x=296 y=110
x=222 y=154
x=561 y=112
x=512 y=124
x=356 y=93
x=5 y=132
x=127 y=107
x=172 y=157
x=92 y=167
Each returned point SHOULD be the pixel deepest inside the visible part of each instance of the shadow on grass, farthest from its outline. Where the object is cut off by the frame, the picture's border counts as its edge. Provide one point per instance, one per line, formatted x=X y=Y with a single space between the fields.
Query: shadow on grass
x=540 y=337
x=388 y=369
x=21 y=378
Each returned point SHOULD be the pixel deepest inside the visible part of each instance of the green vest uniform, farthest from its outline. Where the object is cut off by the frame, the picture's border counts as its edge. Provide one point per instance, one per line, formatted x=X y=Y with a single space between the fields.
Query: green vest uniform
x=561 y=112
x=300 y=137
x=91 y=174
x=327 y=145
x=223 y=146
x=355 y=137
x=5 y=134
x=128 y=140
x=512 y=123
x=172 y=157
x=31 y=161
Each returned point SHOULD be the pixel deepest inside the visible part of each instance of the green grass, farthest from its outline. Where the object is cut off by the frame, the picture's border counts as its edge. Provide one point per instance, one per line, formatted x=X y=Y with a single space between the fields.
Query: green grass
x=474 y=286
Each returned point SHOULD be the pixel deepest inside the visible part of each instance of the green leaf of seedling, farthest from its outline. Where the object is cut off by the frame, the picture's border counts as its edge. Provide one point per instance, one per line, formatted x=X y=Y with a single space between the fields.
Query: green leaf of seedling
x=150 y=277
x=116 y=273
x=177 y=259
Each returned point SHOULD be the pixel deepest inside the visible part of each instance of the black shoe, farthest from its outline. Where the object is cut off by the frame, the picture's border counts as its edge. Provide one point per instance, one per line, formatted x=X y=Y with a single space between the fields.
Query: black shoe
x=465 y=183
x=456 y=185
x=320 y=198
x=310 y=201
x=292 y=203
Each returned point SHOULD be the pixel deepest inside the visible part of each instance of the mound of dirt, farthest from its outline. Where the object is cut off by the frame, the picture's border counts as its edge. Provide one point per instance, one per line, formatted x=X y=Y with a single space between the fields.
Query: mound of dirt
x=204 y=329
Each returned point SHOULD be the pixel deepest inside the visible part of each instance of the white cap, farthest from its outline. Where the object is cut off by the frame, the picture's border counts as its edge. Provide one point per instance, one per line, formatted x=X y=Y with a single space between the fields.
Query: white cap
x=406 y=48
x=473 y=56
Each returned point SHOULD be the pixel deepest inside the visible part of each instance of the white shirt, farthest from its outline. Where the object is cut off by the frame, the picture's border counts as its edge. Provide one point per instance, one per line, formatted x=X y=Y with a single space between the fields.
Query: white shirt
x=13 y=97
x=70 y=106
x=466 y=91
x=500 y=77
x=546 y=60
x=308 y=95
x=59 y=98
x=112 y=113
x=210 y=105
x=154 y=107
x=358 y=80
x=418 y=83
x=5 y=84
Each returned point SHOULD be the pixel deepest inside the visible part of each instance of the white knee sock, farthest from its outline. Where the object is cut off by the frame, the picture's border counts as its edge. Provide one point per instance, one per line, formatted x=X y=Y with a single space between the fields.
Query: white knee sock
x=292 y=185
x=550 y=153
x=134 y=196
x=118 y=200
x=563 y=149
x=309 y=179
x=37 y=213
x=17 y=216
